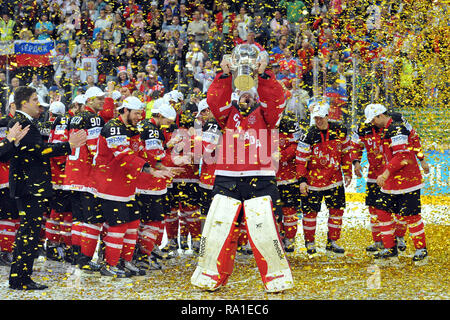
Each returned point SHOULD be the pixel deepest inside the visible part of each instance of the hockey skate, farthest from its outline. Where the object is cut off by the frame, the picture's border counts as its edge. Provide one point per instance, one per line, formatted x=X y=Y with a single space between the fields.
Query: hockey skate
x=289 y=245
x=5 y=259
x=184 y=243
x=333 y=250
x=387 y=257
x=131 y=268
x=54 y=252
x=86 y=264
x=311 y=250
x=153 y=263
x=401 y=244
x=196 y=246
x=112 y=271
x=245 y=250
x=171 y=249
x=374 y=248
x=420 y=257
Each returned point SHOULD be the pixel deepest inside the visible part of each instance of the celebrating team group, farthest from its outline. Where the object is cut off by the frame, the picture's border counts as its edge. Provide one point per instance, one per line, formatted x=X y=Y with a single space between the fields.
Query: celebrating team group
x=232 y=175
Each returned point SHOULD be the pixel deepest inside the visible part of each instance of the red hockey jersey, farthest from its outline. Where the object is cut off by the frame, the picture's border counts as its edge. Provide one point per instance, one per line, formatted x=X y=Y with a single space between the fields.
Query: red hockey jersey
x=79 y=163
x=248 y=139
x=210 y=138
x=117 y=163
x=369 y=137
x=323 y=157
x=292 y=130
x=59 y=132
x=405 y=175
x=4 y=166
x=153 y=142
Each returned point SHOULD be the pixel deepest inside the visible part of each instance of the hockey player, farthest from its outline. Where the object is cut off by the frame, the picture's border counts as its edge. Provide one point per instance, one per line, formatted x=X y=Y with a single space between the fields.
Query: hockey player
x=244 y=178
x=210 y=138
x=183 y=188
x=59 y=225
x=59 y=222
x=368 y=137
x=291 y=130
x=152 y=191
x=87 y=223
x=400 y=184
x=323 y=158
x=117 y=167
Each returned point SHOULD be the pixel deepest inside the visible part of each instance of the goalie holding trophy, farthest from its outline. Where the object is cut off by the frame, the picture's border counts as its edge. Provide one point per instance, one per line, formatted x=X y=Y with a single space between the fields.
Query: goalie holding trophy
x=247 y=102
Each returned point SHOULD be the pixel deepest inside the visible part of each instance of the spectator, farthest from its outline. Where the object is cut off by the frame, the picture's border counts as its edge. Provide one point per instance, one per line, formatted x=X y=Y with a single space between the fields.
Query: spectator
x=261 y=33
x=7 y=28
x=66 y=30
x=198 y=28
x=62 y=62
x=175 y=26
x=86 y=64
x=242 y=21
x=102 y=22
x=44 y=28
x=205 y=74
x=184 y=17
x=277 y=22
x=168 y=65
x=225 y=19
x=41 y=89
x=86 y=25
x=277 y=51
x=173 y=6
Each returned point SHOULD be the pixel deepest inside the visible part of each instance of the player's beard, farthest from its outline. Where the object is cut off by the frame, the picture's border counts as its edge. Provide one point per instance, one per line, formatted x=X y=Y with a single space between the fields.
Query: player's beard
x=246 y=107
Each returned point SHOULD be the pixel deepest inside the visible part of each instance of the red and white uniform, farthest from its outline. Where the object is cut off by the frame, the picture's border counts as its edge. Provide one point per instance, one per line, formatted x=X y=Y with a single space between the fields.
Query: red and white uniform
x=117 y=164
x=79 y=163
x=152 y=151
x=243 y=136
x=323 y=156
x=405 y=175
x=209 y=140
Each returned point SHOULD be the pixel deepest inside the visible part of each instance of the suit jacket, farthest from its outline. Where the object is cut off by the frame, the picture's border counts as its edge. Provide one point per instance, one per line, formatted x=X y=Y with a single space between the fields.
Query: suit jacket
x=6 y=150
x=29 y=168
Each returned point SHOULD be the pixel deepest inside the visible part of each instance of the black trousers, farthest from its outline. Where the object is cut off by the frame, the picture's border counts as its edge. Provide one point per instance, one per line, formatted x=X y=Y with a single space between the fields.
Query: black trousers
x=245 y=188
x=25 y=249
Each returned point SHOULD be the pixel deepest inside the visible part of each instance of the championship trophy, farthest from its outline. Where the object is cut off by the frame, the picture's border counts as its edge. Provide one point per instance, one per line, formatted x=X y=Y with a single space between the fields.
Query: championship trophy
x=244 y=61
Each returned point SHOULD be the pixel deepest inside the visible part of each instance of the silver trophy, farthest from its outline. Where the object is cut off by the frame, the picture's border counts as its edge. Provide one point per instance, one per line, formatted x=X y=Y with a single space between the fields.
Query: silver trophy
x=244 y=61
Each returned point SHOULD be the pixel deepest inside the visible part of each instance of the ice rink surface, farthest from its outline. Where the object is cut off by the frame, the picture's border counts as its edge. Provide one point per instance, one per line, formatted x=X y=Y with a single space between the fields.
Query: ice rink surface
x=353 y=276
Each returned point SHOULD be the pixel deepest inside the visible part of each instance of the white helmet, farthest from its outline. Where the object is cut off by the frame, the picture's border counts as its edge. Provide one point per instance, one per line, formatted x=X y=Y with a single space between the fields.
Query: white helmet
x=57 y=107
x=132 y=103
x=372 y=110
x=202 y=105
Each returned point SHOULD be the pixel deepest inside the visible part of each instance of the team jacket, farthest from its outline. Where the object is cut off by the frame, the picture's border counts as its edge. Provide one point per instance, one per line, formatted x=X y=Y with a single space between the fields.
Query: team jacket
x=369 y=137
x=400 y=159
x=153 y=151
x=292 y=130
x=117 y=163
x=4 y=166
x=210 y=138
x=250 y=138
x=79 y=164
x=323 y=156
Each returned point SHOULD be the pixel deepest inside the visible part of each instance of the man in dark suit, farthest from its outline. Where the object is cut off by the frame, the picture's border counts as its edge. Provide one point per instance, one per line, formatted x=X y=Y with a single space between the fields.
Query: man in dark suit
x=30 y=184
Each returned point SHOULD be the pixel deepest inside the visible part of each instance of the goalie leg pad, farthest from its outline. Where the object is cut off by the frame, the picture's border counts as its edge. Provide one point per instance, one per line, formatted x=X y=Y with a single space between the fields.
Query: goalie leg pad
x=218 y=244
x=266 y=245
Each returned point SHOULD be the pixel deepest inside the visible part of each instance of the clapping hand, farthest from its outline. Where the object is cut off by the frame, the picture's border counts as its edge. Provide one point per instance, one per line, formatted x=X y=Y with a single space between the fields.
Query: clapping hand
x=16 y=133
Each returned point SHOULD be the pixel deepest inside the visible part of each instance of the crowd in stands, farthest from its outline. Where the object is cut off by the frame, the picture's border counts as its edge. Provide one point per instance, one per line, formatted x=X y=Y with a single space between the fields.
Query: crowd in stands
x=146 y=48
